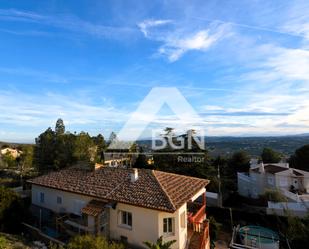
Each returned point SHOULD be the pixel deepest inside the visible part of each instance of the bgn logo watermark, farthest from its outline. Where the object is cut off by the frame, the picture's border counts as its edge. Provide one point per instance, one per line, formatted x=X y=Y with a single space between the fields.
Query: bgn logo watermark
x=188 y=141
x=146 y=113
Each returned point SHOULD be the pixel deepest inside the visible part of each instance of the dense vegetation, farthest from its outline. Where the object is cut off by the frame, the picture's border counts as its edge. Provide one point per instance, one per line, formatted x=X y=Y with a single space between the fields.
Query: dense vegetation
x=300 y=159
x=56 y=149
x=12 y=211
x=270 y=156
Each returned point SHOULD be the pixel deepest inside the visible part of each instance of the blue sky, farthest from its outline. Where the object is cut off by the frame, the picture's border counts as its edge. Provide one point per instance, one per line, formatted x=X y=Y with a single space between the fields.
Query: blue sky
x=242 y=65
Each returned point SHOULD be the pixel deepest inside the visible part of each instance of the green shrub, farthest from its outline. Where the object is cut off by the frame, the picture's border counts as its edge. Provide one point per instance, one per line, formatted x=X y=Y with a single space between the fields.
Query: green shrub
x=12 y=210
x=3 y=243
x=274 y=196
x=92 y=242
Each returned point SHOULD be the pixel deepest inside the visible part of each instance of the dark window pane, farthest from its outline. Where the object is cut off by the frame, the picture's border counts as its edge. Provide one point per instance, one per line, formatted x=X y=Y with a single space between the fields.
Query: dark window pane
x=165 y=225
x=124 y=218
x=130 y=219
x=170 y=225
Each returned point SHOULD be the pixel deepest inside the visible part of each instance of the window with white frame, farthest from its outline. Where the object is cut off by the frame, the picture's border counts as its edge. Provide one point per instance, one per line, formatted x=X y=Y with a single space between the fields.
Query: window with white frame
x=42 y=197
x=168 y=225
x=125 y=219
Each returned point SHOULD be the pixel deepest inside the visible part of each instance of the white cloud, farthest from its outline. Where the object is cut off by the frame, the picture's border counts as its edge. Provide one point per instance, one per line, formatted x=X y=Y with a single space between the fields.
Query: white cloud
x=36 y=111
x=178 y=40
x=290 y=63
x=175 y=47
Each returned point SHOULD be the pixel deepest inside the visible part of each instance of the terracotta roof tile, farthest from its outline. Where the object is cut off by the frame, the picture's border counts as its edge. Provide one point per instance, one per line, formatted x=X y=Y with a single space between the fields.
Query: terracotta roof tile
x=153 y=189
x=94 y=208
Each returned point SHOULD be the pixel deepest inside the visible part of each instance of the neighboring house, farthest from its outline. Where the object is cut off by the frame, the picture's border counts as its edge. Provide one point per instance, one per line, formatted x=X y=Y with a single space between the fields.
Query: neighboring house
x=124 y=204
x=117 y=159
x=272 y=176
x=13 y=152
x=292 y=183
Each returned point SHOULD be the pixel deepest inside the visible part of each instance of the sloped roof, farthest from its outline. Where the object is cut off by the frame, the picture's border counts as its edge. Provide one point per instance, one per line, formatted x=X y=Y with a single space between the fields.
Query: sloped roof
x=94 y=208
x=270 y=168
x=153 y=189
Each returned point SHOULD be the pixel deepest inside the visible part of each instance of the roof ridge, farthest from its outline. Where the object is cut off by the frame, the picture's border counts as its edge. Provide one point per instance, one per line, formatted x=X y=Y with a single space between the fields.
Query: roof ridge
x=179 y=175
x=161 y=186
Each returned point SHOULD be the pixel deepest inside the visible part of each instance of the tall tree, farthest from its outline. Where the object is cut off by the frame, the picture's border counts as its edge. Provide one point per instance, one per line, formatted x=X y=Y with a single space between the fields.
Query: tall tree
x=169 y=131
x=99 y=141
x=84 y=147
x=112 y=137
x=44 y=151
x=64 y=150
x=26 y=158
x=59 y=128
x=300 y=159
x=240 y=162
x=270 y=156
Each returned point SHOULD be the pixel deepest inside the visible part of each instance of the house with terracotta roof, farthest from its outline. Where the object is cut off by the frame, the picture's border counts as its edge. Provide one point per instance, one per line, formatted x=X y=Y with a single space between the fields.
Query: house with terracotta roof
x=130 y=205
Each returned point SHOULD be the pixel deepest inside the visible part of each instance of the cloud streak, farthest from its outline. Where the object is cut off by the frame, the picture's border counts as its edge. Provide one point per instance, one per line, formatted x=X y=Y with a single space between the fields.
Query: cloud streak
x=66 y=22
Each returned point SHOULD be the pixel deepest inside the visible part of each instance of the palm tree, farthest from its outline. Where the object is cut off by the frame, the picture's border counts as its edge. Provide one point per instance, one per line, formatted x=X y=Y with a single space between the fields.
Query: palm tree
x=160 y=244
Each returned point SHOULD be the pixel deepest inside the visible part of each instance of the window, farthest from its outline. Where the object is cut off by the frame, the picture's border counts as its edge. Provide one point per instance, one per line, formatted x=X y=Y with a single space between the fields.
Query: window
x=283 y=182
x=126 y=218
x=42 y=197
x=168 y=225
x=183 y=219
x=59 y=200
x=270 y=180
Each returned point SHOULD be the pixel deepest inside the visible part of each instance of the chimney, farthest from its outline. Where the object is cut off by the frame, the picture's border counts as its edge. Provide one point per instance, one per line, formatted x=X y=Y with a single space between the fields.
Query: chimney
x=134 y=175
x=262 y=169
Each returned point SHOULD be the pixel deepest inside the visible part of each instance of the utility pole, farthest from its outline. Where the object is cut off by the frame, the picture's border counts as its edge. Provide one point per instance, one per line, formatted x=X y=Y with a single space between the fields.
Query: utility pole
x=231 y=215
x=219 y=194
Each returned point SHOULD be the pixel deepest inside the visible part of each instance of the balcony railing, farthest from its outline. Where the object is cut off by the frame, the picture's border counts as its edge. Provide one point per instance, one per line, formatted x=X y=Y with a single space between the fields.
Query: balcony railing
x=198 y=223
x=205 y=240
x=196 y=215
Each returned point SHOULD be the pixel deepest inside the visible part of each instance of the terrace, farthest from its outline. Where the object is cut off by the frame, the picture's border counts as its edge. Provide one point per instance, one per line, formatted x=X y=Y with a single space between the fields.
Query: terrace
x=198 y=226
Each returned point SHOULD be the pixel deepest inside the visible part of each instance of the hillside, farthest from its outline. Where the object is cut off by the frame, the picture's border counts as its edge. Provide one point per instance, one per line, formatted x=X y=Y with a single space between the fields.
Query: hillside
x=253 y=145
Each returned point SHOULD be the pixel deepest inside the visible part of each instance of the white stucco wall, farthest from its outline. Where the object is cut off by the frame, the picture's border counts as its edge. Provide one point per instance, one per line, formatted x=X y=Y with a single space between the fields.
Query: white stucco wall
x=147 y=224
x=50 y=196
x=144 y=224
x=180 y=233
x=249 y=186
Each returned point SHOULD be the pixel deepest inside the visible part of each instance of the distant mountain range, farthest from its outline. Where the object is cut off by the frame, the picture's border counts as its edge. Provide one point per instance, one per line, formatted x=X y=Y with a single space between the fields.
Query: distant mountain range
x=226 y=145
